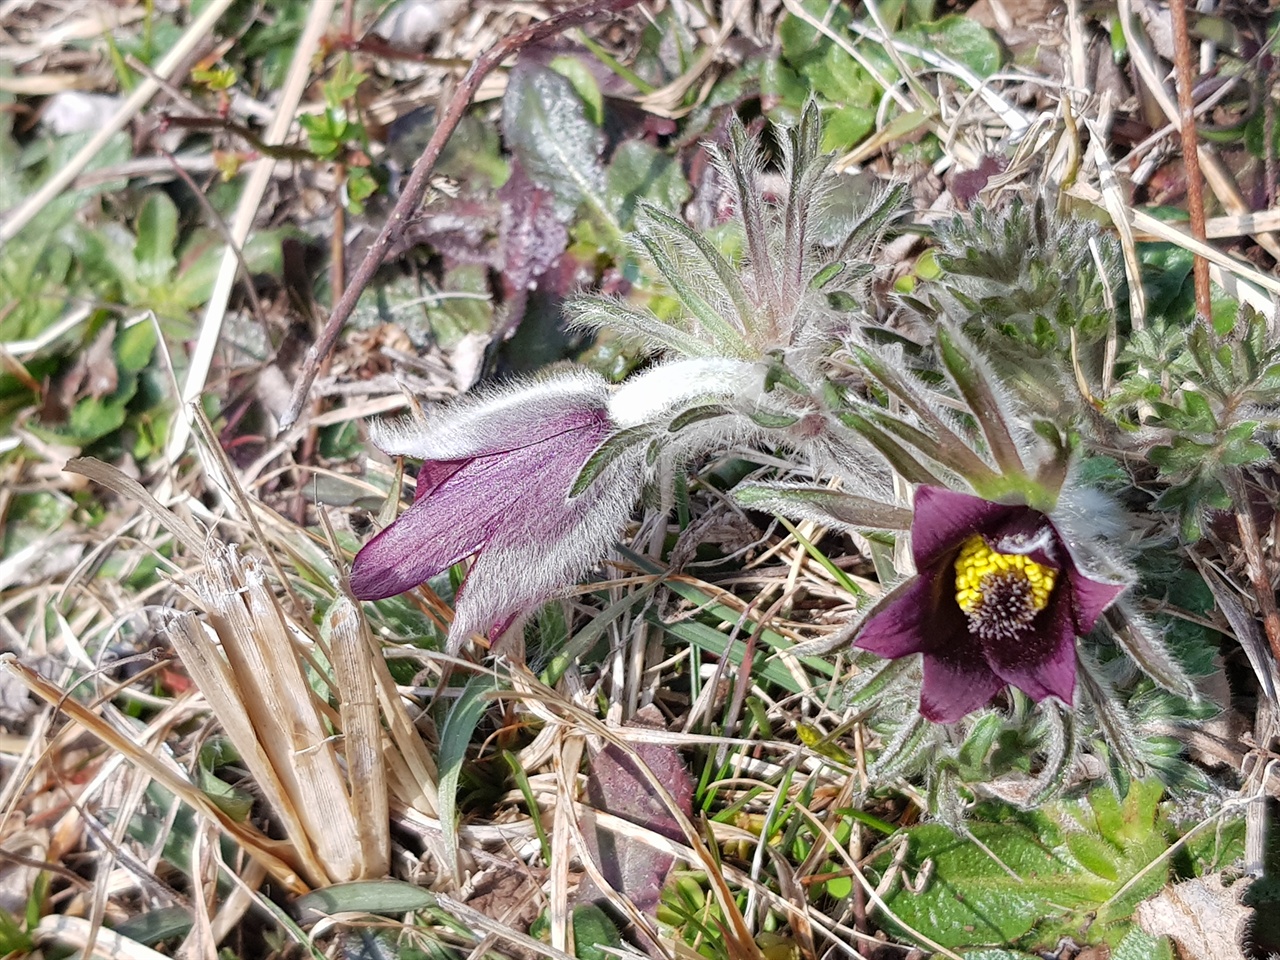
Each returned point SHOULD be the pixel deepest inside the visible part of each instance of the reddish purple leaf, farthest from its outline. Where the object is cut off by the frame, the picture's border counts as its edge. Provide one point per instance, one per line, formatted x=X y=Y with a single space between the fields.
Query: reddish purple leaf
x=616 y=785
x=531 y=239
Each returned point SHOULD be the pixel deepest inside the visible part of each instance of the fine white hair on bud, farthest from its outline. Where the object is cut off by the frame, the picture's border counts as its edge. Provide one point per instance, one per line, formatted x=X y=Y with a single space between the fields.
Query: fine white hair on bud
x=647 y=396
x=471 y=424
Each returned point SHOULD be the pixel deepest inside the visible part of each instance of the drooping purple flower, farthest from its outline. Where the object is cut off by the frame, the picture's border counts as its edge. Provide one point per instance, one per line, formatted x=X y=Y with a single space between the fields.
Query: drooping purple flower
x=494 y=484
x=998 y=600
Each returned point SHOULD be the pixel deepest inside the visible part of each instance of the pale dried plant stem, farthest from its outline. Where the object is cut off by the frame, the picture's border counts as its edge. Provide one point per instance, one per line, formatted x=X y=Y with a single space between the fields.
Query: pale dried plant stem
x=362 y=735
x=799 y=12
x=1114 y=201
x=1254 y=287
x=246 y=211
x=568 y=760
x=26 y=211
x=666 y=101
x=76 y=933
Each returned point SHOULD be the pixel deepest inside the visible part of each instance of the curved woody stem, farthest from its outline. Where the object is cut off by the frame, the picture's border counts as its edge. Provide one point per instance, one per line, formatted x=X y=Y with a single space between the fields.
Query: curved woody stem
x=416 y=187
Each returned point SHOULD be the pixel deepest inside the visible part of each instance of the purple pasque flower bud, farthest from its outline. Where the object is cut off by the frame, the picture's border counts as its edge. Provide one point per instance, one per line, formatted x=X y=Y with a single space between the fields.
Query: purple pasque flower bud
x=494 y=484
x=998 y=600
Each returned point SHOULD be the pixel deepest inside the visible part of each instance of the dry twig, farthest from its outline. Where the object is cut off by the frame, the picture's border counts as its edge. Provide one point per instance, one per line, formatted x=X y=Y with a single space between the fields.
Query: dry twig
x=416 y=187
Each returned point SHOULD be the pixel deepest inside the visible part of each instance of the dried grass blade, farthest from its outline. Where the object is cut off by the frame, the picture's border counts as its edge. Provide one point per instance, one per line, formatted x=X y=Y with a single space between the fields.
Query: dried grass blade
x=414 y=769
x=77 y=933
x=259 y=645
x=1112 y=197
x=115 y=481
x=275 y=855
x=215 y=680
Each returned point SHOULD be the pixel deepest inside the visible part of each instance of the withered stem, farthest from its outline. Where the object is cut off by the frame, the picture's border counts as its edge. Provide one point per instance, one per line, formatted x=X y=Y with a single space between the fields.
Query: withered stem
x=1190 y=151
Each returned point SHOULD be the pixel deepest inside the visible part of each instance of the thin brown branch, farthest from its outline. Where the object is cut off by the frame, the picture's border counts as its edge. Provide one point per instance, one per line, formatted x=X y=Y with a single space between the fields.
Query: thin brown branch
x=1190 y=150
x=416 y=188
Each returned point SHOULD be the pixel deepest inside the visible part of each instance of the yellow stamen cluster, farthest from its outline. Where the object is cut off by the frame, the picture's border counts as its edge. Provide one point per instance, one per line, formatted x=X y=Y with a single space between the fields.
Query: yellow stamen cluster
x=977 y=562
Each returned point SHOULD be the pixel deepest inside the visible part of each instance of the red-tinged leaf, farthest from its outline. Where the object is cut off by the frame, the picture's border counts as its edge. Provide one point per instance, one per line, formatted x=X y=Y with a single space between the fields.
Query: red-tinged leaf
x=460 y=229
x=545 y=125
x=618 y=786
x=532 y=237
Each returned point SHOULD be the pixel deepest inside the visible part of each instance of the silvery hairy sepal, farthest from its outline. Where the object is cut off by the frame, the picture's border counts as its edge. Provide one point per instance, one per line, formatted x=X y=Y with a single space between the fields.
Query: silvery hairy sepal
x=499 y=482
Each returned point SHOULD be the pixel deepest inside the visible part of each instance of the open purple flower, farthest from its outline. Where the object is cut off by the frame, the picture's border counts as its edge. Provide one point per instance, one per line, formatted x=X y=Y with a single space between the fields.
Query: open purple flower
x=494 y=484
x=998 y=599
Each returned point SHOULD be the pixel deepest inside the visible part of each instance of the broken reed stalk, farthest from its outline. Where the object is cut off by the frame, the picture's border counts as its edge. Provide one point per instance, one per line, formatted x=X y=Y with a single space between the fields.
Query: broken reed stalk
x=416 y=188
x=1190 y=152
x=289 y=738
x=314 y=715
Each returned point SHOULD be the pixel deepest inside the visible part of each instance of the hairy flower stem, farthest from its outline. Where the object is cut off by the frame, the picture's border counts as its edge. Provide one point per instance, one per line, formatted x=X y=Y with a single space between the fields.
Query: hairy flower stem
x=1255 y=563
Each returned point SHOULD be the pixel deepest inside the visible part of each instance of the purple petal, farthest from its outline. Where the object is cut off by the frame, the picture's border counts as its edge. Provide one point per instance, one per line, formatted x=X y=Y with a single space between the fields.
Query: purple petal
x=944 y=519
x=1089 y=597
x=957 y=681
x=421 y=543
x=516 y=493
x=435 y=472
x=1042 y=662
x=896 y=627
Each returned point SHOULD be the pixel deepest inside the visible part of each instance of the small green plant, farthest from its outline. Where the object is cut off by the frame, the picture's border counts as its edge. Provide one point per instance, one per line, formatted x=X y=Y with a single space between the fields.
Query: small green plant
x=339 y=135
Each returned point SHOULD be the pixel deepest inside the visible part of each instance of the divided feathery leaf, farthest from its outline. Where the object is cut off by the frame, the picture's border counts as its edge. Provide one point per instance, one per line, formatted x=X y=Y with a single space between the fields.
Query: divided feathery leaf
x=1123 y=752
x=1145 y=648
x=972 y=382
x=947 y=446
x=823 y=505
x=1063 y=747
x=921 y=440
x=742 y=169
x=604 y=456
x=598 y=313
x=698 y=414
x=866 y=231
x=914 y=740
x=907 y=466
x=696 y=252
x=804 y=166
x=772 y=420
x=727 y=339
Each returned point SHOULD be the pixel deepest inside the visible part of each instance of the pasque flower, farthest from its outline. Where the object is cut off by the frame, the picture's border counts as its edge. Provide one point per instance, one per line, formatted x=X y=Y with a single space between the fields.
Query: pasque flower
x=998 y=600
x=496 y=483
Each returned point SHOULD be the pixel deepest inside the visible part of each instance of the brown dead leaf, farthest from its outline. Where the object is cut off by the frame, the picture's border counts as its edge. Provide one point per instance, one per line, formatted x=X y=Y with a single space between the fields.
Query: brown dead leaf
x=93 y=374
x=510 y=897
x=1204 y=918
x=101 y=376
